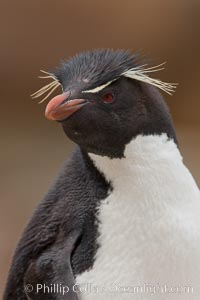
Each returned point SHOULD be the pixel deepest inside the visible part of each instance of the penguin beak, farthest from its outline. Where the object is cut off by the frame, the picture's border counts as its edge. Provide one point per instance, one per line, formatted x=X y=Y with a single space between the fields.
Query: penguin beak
x=59 y=108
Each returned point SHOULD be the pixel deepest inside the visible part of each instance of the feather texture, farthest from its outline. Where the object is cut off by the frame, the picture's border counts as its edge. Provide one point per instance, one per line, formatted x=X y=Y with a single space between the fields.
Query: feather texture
x=140 y=73
x=49 y=88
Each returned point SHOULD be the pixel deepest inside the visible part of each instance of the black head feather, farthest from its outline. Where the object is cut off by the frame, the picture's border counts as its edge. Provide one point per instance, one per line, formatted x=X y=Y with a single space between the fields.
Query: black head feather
x=94 y=68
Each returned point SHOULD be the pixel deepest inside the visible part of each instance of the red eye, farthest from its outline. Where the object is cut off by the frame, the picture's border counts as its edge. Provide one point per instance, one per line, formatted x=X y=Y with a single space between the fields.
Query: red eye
x=108 y=98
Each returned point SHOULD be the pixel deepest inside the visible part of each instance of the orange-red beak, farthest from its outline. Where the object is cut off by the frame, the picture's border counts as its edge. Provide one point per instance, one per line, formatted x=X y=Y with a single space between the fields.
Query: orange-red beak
x=58 y=109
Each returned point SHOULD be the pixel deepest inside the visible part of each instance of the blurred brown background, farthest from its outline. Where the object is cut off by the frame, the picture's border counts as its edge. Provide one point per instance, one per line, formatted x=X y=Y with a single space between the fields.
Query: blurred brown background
x=36 y=35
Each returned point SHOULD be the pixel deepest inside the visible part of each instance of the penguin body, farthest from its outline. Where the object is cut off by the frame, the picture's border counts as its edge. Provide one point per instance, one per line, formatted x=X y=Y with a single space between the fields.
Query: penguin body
x=124 y=213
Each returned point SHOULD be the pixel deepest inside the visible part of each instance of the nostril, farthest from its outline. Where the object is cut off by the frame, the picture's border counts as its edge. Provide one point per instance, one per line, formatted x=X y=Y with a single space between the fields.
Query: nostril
x=68 y=96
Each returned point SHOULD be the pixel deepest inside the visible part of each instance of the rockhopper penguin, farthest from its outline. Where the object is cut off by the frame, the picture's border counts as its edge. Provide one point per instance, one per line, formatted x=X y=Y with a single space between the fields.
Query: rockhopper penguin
x=122 y=220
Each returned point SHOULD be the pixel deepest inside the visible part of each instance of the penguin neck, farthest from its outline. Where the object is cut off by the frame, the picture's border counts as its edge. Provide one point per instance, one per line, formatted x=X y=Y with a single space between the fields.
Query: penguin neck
x=145 y=154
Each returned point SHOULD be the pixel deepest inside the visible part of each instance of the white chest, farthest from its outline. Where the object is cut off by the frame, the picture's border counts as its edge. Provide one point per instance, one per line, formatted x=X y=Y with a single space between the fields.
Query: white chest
x=149 y=226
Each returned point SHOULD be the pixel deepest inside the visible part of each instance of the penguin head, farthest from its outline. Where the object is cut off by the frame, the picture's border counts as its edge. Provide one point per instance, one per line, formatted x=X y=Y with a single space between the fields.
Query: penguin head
x=107 y=101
